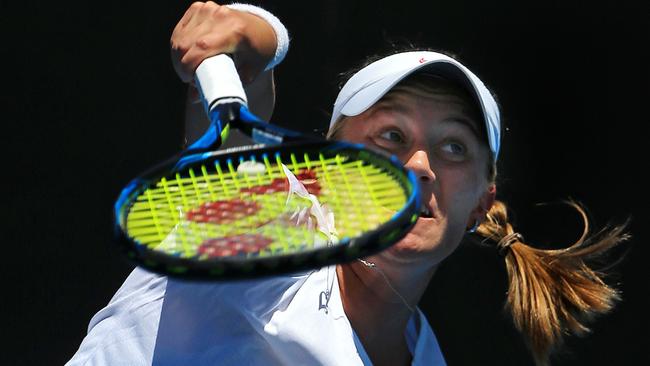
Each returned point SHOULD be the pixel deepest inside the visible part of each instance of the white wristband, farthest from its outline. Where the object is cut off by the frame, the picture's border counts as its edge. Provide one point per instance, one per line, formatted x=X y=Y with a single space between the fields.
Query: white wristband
x=281 y=33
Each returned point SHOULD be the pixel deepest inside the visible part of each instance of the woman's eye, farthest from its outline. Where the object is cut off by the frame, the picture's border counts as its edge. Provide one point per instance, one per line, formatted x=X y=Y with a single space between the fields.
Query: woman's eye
x=454 y=148
x=393 y=136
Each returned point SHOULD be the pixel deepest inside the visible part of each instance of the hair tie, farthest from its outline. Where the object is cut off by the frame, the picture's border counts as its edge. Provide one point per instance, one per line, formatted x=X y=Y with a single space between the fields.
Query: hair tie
x=507 y=241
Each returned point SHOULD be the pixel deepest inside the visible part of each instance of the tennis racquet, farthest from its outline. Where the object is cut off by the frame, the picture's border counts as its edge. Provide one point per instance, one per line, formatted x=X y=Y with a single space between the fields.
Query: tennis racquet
x=288 y=203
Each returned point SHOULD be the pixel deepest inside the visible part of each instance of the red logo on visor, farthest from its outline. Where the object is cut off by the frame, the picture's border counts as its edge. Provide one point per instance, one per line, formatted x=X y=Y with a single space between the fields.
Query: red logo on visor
x=422 y=60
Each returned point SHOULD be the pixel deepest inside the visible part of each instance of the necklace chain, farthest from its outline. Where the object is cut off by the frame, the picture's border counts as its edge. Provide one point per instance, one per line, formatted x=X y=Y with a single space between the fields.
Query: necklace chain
x=374 y=267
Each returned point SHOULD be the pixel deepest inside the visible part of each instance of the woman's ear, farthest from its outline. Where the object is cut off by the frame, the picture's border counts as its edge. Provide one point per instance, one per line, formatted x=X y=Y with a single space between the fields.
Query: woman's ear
x=484 y=205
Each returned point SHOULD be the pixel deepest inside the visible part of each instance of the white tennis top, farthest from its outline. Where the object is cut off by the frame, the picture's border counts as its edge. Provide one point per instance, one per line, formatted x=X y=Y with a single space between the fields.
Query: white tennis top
x=282 y=320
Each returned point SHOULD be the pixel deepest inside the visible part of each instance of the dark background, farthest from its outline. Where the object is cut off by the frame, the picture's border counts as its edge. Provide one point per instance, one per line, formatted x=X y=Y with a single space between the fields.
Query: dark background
x=90 y=99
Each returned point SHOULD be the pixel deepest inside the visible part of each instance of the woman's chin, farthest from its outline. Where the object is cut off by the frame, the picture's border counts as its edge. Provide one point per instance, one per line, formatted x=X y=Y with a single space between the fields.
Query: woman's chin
x=423 y=244
x=411 y=249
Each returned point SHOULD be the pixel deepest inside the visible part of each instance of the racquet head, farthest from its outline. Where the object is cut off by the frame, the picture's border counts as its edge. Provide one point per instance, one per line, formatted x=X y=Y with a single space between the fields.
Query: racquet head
x=260 y=210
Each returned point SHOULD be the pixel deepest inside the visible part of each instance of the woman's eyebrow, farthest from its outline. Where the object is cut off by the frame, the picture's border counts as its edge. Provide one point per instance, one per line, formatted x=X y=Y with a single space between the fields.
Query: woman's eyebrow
x=397 y=113
x=385 y=105
x=469 y=123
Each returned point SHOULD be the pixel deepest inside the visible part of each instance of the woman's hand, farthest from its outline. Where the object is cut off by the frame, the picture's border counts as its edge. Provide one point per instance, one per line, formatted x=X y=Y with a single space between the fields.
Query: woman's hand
x=207 y=29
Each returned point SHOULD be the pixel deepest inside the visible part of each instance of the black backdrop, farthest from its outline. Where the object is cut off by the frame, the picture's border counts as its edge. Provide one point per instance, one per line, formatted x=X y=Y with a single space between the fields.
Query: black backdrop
x=90 y=99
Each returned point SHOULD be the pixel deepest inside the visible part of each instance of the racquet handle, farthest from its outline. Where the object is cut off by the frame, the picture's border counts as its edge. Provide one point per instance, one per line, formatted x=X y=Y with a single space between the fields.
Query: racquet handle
x=218 y=82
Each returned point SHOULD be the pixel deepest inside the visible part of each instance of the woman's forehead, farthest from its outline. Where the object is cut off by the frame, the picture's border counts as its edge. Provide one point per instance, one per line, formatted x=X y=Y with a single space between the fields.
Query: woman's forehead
x=448 y=107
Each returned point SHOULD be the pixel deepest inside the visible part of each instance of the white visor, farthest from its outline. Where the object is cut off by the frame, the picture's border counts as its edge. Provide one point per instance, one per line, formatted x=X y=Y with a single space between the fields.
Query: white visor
x=372 y=82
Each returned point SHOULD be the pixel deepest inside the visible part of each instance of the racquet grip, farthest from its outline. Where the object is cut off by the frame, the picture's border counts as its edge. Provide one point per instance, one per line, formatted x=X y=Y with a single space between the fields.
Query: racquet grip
x=218 y=82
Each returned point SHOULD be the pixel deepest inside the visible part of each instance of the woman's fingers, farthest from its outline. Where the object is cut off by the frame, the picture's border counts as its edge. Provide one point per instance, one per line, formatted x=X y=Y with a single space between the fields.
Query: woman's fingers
x=208 y=29
x=189 y=13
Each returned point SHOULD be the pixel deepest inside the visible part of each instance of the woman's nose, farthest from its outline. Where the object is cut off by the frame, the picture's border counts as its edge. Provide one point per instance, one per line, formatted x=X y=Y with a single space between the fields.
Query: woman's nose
x=419 y=163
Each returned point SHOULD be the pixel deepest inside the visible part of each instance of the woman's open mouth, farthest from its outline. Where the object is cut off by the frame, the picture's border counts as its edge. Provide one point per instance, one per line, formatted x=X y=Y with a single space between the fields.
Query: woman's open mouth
x=425 y=211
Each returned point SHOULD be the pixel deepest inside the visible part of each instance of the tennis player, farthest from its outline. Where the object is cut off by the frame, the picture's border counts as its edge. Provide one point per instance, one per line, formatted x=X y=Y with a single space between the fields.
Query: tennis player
x=443 y=123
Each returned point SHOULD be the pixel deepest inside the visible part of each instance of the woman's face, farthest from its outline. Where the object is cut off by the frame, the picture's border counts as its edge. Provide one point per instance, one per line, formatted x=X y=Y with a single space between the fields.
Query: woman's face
x=439 y=138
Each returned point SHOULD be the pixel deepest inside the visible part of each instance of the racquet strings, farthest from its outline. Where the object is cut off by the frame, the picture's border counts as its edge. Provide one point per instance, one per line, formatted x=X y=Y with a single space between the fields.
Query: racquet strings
x=212 y=210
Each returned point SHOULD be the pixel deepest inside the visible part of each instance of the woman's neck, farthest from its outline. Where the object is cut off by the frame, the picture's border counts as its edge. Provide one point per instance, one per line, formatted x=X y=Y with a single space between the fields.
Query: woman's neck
x=379 y=304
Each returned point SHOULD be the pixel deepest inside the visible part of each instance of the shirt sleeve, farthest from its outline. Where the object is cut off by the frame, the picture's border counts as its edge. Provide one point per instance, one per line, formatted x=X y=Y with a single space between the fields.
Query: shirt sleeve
x=124 y=332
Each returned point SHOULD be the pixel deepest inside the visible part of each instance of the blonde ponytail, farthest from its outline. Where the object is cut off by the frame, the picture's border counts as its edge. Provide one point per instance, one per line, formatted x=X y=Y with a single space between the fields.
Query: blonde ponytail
x=552 y=292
